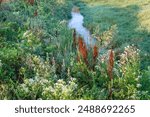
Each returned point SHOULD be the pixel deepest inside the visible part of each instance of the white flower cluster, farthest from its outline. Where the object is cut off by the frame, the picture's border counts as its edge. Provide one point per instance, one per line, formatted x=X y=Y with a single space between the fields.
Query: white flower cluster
x=60 y=90
x=41 y=68
x=131 y=53
x=27 y=34
x=43 y=85
x=129 y=59
x=33 y=86
x=108 y=35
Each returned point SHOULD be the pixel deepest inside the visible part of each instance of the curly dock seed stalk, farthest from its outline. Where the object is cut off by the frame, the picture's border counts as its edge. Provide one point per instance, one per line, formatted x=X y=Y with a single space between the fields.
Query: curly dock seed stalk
x=110 y=64
x=95 y=52
x=82 y=49
x=110 y=71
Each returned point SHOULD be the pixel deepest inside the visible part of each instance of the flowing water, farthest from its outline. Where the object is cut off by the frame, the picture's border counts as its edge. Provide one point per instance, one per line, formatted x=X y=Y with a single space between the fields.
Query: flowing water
x=77 y=23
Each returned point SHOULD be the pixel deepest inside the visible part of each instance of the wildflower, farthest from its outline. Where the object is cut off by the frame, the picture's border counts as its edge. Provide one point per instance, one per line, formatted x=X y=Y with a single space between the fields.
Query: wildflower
x=110 y=64
x=131 y=53
x=138 y=85
x=25 y=88
x=103 y=58
x=31 y=81
x=82 y=49
x=27 y=34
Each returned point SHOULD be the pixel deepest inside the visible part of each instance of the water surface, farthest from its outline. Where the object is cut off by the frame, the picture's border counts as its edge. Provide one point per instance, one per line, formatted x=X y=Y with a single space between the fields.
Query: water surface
x=77 y=23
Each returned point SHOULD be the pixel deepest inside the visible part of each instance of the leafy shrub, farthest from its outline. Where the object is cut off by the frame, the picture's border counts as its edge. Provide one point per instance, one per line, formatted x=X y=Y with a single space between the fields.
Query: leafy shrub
x=127 y=84
x=38 y=60
x=12 y=60
x=145 y=80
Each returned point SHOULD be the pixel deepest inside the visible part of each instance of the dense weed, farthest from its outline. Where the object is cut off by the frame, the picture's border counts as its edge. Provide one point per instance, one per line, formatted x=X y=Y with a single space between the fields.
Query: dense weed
x=40 y=58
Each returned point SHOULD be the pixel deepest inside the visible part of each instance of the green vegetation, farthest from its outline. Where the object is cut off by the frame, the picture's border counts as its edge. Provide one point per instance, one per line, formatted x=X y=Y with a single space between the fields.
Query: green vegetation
x=131 y=18
x=38 y=60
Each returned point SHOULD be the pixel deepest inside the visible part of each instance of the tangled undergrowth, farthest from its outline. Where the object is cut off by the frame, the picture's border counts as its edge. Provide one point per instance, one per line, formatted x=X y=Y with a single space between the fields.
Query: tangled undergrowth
x=40 y=60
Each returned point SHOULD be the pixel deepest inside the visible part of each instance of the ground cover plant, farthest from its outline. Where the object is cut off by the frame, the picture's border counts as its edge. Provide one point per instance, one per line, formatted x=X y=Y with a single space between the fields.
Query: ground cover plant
x=41 y=58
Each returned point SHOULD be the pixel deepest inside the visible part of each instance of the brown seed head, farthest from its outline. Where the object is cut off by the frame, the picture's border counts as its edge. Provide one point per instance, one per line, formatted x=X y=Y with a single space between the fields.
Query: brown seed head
x=110 y=64
x=82 y=49
x=95 y=52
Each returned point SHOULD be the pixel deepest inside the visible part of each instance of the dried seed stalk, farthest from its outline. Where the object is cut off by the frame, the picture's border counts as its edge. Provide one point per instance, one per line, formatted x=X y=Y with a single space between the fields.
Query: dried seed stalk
x=82 y=49
x=95 y=52
x=110 y=72
x=110 y=64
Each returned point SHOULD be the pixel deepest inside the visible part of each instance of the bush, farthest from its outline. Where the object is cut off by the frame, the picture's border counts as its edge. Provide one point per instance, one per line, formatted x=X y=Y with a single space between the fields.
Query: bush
x=126 y=84
x=38 y=60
